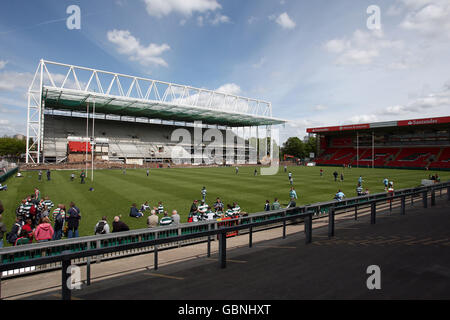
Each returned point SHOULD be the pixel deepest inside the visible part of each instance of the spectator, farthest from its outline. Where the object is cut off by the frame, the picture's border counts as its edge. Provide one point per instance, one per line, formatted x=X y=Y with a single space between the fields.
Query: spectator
x=82 y=177
x=386 y=183
x=23 y=238
x=16 y=229
x=145 y=206
x=166 y=220
x=342 y=176
x=367 y=192
x=194 y=208
x=152 y=220
x=175 y=217
x=3 y=229
x=292 y=203
x=276 y=205
x=59 y=215
x=160 y=208
x=210 y=215
x=72 y=176
x=102 y=227
x=44 y=231
x=339 y=195
x=359 y=190
x=5 y=187
x=134 y=212
x=218 y=206
x=73 y=220
x=119 y=226
x=28 y=228
x=40 y=175
x=267 y=206
x=37 y=195
x=48 y=174
x=202 y=208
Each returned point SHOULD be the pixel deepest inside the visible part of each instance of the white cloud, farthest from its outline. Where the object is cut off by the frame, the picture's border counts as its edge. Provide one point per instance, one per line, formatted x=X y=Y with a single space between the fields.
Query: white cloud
x=230 y=88
x=430 y=18
x=128 y=45
x=284 y=21
x=260 y=63
x=251 y=20
x=11 y=80
x=160 y=8
x=363 y=118
x=218 y=19
x=320 y=107
x=362 y=48
x=431 y=102
x=3 y=64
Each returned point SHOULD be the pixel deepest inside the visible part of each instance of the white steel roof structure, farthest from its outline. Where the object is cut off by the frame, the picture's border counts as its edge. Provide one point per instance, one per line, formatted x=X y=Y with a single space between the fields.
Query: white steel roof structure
x=66 y=87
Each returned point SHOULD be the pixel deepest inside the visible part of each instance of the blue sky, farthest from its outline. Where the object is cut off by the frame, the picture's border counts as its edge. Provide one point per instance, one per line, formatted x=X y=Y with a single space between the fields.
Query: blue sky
x=316 y=61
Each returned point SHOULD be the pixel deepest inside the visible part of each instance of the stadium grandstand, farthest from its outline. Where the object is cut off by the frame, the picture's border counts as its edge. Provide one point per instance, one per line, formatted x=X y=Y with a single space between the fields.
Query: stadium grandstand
x=76 y=113
x=412 y=144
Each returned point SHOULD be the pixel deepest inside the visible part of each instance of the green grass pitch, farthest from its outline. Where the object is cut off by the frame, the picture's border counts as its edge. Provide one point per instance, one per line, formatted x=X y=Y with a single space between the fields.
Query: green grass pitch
x=114 y=192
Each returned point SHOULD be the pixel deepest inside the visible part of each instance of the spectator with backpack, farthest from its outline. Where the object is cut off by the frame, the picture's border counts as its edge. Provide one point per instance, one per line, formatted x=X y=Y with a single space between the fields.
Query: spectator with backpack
x=102 y=227
x=73 y=220
x=59 y=215
x=23 y=238
x=16 y=229
x=44 y=231
x=2 y=226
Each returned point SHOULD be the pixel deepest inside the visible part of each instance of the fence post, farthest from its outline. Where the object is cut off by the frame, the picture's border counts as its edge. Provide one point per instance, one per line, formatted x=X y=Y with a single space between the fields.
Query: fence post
x=284 y=225
x=222 y=250
x=448 y=193
x=373 y=212
x=155 y=254
x=250 y=237
x=403 y=205
x=356 y=212
x=65 y=291
x=433 y=197
x=331 y=222
x=88 y=267
x=209 y=243
x=424 y=199
x=308 y=228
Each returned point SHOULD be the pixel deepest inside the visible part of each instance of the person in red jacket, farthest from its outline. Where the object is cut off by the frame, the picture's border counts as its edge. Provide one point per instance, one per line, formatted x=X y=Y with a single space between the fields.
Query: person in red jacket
x=44 y=231
x=28 y=228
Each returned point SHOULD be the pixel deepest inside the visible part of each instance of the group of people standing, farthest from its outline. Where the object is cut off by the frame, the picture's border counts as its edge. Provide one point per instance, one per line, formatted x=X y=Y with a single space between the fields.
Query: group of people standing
x=34 y=219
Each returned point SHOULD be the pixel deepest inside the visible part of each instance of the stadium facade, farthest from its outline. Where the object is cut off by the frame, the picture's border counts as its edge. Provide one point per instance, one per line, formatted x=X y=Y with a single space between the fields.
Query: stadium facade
x=414 y=144
x=75 y=111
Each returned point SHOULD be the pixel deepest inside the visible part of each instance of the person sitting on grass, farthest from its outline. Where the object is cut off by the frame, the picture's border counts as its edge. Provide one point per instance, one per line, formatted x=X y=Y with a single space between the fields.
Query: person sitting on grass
x=152 y=220
x=134 y=212
x=160 y=208
x=44 y=231
x=359 y=190
x=339 y=195
x=276 y=205
x=145 y=206
x=119 y=226
x=166 y=220
x=267 y=206
x=292 y=203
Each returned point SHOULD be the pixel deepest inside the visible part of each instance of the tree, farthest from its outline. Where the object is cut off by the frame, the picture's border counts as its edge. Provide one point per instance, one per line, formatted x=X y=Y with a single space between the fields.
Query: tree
x=294 y=147
x=12 y=147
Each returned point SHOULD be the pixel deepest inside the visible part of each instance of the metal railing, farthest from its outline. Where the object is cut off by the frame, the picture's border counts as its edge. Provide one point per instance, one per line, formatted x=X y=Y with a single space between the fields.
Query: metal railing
x=82 y=250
